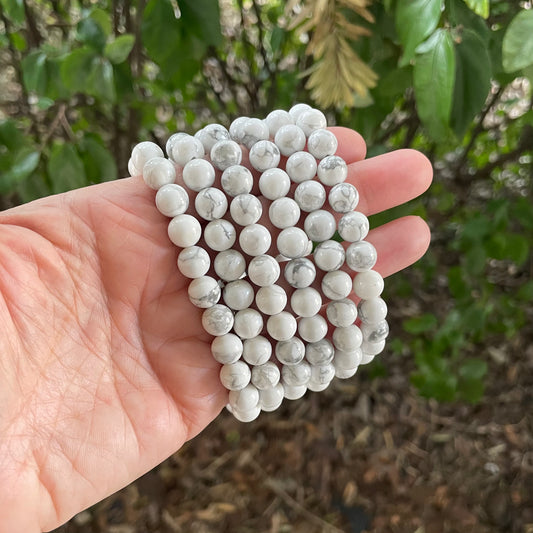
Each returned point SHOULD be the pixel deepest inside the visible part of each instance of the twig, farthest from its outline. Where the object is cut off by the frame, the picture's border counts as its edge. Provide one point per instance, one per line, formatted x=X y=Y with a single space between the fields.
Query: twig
x=57 y=119
x=35 y=37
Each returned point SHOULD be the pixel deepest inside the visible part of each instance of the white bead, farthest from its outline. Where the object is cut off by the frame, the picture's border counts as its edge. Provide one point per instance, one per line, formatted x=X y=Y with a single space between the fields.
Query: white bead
x=367 y=358
x=254 y=130
x=276 y=119
x=322 y=143
x=185 y=149
x=225 y=154
x=263 y=270
x=236 y=128
x=235 y=376
x=238 y=295
x=284 y=213
x=257 y=351
x=211 y=203
x=342 y=373
x=230 y=265
x=244 y=399
x=321 y=374
x=372 y=311
x=245 y=209
x=132 y=169
x=300 y=273
x=171 y=140
x=247 y=416
x=198 y=174
x=290 y=139
x=306 y=302
x=297 y=109
x=220 y=235
x=320 y=225
x=301 y=166
x=290 y=352
x=237 y=180
x=353 y=226
x=265 y=376
x=142 y=153
x=193 y=262
x=376 y=332
x=312 y=328
x=282 y=326
x=248 y=323
x=294 y=392
x=347 y=339
x=343 y=198
x=320 y=352
x=274 y=183
x=271 y=399
x=371 y=349
x=271 y=300
x=311 y=120
x=336 y=285
x=217 y=320
x=341 y=313
x=310 y=195
x=361 y=256
x=332 y=170
x=227 y=348
x=347 y=360
x=368 y=284
x=329 y=255
x=204 y=291
x=264 y=155
x=292 y=243
x=172 y=200
x=211 y=134
x=255 y=239
x=317 y=387
x=158 y=171
x=184 y=230
x=296 y=375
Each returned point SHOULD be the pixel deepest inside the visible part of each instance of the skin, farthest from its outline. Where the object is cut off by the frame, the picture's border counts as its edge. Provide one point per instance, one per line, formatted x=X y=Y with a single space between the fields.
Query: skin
x=105 y=369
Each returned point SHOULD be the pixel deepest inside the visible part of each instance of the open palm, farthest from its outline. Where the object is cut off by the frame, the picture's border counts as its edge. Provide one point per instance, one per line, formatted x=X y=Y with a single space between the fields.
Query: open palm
x=105 y=369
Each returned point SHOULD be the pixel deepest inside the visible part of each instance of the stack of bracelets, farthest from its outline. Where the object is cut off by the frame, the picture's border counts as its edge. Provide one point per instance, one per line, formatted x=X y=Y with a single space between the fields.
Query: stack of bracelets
x=274 y=339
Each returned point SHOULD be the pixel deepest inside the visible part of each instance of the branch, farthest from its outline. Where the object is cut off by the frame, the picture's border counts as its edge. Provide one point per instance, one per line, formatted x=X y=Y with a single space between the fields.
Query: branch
x=35 y=37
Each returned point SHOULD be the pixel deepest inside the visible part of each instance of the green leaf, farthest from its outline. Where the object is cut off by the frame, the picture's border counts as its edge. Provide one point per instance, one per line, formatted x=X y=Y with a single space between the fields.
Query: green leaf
x=118 y=50
x=10 y=136
x=434 y=76
x=19 y=41
x=416 y=20
x=525 y=292
x=75 y=68
x=517 y=247
x=24 y=163
x=91 y=33
x=473 y=368
x=420 y=324
x=472 y=80
x=14 y=10
x=102 y=18
x=518 y=42
x=480 y=7
x=457 y=285
x=202 y=17
x=475 y=259
x=34 y=71
x=100 y=82
x=32 y=188
x=99 y=163
x=461 y=17
x=65 y=168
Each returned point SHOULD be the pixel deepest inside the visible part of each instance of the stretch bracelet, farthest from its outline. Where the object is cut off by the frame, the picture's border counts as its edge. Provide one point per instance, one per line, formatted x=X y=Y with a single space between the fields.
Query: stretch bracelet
x=278 y=302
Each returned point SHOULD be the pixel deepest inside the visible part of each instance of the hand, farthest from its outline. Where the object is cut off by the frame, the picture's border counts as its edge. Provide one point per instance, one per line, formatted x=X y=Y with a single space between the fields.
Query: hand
x=105 y=368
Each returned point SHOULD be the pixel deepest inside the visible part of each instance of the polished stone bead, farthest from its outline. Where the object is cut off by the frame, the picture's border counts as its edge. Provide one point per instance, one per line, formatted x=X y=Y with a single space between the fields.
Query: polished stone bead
x=171 y=140
x=341 y=313
x=306 y=302
x=265 y=376
x=225 y=154
x=310 y=195
x=227 y=348
x=220 y=235
x=211 y=134
x=368 y=284
x=376 y=332
x=255 y=240
x=301 y=166
x=320 y=225
x=290 y=139
x=244 y=399
x=332 y=170
x=349 y=359
x=245 y=209
x=158 y=172
x=184 y=230
x=141 y=154
x=320 y=352
x=353 y=226
x=230 y=265
x=271 y=300
x=297 y=109
x=254 y=130
x=236 y=130
x=343 y=198
x=300 y=273
x=290 y=352
x=193 y=262
x=172 y=200
x=238 y=295
x=257 y=351
x=236 y=180
x=198 y=174
x=296 y=375
x=294 y=392
x=292 y=243
x=361 y=256
x=282 y=326
x=367 y=358
x=263 y=270
x=336 y=285
x=217 y=320
x=322 y=143
x=211 y=203
x=329 y=255
x=264 y=155
x=248 y=323
x=284 y=213
x=312 y=328
x=274 y=183
x=131 y=168
x=372 y=311
x=311 y=120
x=315 y=386
x=185 y=149
x=271 y=399
x=371 y=349
x=204 y=291
x=276 y=119
x=235 y=376
x=321 y=374
x=246 y=416
x=343 y=373
x=348 y=338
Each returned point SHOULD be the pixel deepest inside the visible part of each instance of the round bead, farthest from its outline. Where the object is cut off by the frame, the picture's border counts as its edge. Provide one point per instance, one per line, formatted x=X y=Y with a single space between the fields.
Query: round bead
x=236 y=130
x=211 y=203
x=292 y=243
x=282 y=326
x=198 y=174
x=227 y=348
x=343 y=373
x=310 y=195
x=372 y=311
x=142 y=153
x=312 y=328
x=371 y=349
x=311 y=120
x=343 y=198
x=294 y=392
x=322 y=143
x=158 y=171
x=211 y=134
x=244 y=399
x=264 y=155
x=230 y=265
x=185 y=149
x=271 y=399
x=317 y=387
x=237 y=180
x=238 y=295
x=247 y=416
x=320 y=352
x=353 y=226
x=263 y=270
x=368 y=284
x=245 y=209
x=300 y=273
x=376 y=332
x=296 y=375
x=301 y=166
x=271 y=300
x=341 y=313
x=255 y=239
x=184 y=230
x=257 y=351
x=276 y=119
x=297 y=109
x=322 y=374
x=290 y=139
x=248 y=323
x=347 y=360
x=204 y=291
x=193 y=262
x=131 y=168
x=329 y=255
x=217 y=320
x=332 y=170
x=361 y=256
x=225 y=154
x=274 y=183
x=290 y=352
x=306 y=302
x=336 y=285
x=235 y=376
x=347 y=339
x=254 y=130
x=171 y=140
x=220 y=235
x=172 y=200
x=284 y=213
x=320 y=225
x=265 y=376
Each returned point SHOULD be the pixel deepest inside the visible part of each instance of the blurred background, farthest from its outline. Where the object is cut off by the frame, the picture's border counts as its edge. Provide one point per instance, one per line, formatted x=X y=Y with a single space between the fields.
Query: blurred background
x=436 y=435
